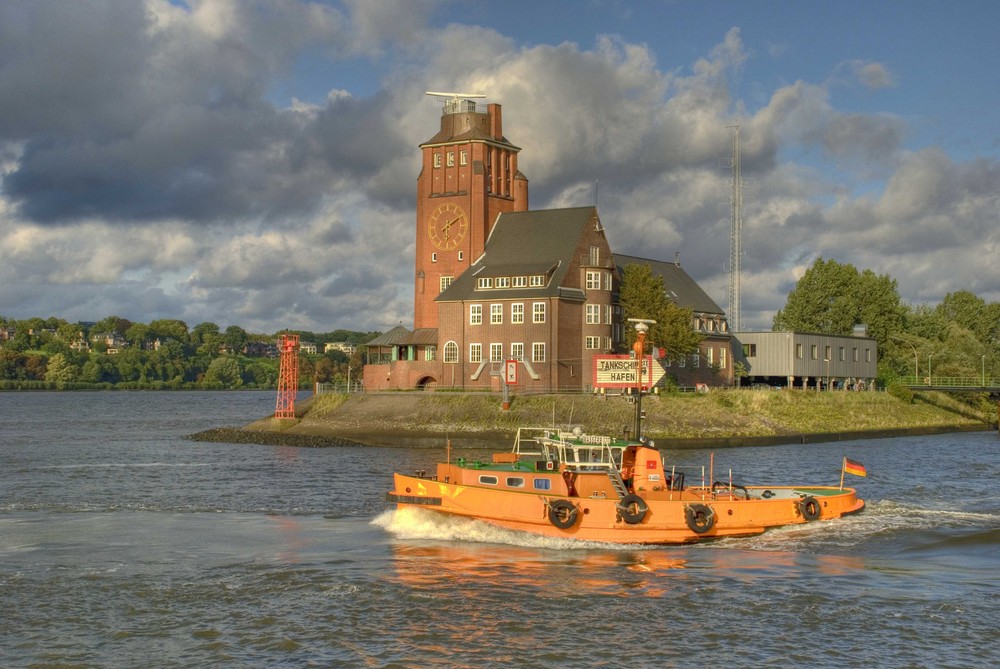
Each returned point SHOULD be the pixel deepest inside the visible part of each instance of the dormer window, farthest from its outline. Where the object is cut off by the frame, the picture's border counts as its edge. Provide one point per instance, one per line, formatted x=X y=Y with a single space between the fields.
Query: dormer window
x=537 y=281
x=485 y=282
x=503 y=282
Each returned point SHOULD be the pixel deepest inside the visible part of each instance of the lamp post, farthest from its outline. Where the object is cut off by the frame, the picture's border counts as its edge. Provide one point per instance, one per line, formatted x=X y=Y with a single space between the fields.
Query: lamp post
x=916 y=370
x=641 y=328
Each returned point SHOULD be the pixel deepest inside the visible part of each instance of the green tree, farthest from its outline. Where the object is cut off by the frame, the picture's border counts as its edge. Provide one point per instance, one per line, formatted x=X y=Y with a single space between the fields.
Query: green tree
x=224 y=372
x=643 y=295
x=138 y=334
x=61 y=370
x=235 y=338
x=169 y=328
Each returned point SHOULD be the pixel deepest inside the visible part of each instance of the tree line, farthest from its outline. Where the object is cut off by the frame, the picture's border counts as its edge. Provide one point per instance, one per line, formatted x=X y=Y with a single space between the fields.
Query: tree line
x=118 y=353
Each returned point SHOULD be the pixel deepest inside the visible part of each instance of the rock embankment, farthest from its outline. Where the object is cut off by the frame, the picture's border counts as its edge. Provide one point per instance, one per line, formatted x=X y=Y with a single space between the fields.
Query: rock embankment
x=229 y=435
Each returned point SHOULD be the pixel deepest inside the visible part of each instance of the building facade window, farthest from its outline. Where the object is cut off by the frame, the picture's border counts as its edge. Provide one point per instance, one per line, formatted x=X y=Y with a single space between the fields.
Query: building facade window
x=538 y=312
x=451 y=352
x=593 y=314
x=475 y=314
x=434 y=257
x=814 y=352
x=475 y=352
x=593 y=343
x=750 y=350
x=696 y=360
x=538 y=352
x=451 y=159
x=798 y=351
x=430 y=353
x=496 y=352
x=709 y=356
x=537 y=281
x=607 y=281
x=722 y=358
x=437 y=160
x=517 y=313
x=517 y=351
x=519 y=281
x=445 y=282
x=503 y=282
x=484 y=282
x=463 y=157
x=496 y=314
x=593 y=280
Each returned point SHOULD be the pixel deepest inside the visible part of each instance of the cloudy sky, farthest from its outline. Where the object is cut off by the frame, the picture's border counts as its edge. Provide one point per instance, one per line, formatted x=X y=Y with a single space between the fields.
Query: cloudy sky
x=254 y=162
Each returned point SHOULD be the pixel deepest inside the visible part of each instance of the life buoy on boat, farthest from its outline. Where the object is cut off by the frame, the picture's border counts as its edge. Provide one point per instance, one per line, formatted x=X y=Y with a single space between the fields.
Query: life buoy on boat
x=810 y=508
x=700 y=518
x=632 y=509
x=562 y=514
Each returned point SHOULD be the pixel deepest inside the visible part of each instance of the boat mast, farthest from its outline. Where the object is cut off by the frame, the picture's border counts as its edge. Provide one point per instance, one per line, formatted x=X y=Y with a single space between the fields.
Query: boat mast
x=638 y=349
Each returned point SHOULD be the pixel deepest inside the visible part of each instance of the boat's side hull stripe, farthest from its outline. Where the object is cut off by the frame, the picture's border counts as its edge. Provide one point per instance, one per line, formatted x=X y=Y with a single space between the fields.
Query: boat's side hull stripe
x=412 y=499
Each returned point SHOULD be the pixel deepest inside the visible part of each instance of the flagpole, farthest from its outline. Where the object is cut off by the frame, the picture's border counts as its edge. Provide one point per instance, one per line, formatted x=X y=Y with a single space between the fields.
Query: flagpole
x=843 y=468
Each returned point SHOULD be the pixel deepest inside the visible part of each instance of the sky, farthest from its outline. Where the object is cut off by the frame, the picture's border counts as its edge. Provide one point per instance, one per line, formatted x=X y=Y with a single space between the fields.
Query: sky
x=254 y=162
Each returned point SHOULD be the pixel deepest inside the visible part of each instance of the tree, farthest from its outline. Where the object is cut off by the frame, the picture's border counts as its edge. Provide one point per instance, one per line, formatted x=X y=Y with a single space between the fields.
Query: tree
x=60 y=370
x=832 y=298
x=169 y=328
x=642 y=295
x=224 y=372
x=113 y=324
x=235 y=338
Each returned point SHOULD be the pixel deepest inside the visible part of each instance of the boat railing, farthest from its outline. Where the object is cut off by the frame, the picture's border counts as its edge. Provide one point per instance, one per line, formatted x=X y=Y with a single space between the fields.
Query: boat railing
x=579 y=452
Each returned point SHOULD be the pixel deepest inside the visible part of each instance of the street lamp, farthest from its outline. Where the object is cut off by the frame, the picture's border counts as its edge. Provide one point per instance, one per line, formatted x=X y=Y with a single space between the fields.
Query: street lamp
x=641 y=328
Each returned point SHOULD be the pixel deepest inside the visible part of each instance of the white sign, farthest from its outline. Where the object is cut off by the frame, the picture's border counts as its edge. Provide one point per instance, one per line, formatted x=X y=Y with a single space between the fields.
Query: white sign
x=619 y=371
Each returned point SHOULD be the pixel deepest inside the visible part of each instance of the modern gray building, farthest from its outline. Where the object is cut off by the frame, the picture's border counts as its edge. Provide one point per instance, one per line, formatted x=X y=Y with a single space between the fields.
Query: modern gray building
x=796 y=359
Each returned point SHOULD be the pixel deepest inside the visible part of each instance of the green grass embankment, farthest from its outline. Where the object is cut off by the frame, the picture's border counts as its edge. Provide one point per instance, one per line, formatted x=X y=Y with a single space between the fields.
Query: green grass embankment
x=723 y=416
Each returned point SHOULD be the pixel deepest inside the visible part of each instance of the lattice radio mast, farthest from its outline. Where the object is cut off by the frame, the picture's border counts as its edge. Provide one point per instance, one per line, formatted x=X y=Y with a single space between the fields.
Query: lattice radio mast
x=735 y=235
x=288 y=376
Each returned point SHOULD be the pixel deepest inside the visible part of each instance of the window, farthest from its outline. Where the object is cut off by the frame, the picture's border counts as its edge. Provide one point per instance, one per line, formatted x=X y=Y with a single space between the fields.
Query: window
x=488 y=480
x=854 y=351
x=451 y=159
x=607 y=315
x=517 y=313
x=515 y=482
x=517 y=351
x=437 y=160
x=475 y=352
x=607 y=281
x=434 y=257
x=538 y=312
x=451 y=352
x=682 y=361
x=814 y=351
x=593 y=342
x=842 y=353
x=595 y=255
x=607 y=343
x=460 y=256
x=520 y=281
x=503 y=282
x=496 y=352
x=798 y=351
x=709 y=356
x=537 y=281
x=696 y=361
x=463 y=157
x=828 y=353
x=445 y=282
x=593 y=280
x=538 y=352
x=593 y=314
x=750 y=350
x=722 y=358
x=496 y=314
x=485 y=282
x=430 y=353
x=475 y=314
x=868 y=355
x=542 y=484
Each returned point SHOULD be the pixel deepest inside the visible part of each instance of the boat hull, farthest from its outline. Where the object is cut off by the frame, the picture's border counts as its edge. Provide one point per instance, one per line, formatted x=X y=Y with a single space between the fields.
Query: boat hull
x=651 y=517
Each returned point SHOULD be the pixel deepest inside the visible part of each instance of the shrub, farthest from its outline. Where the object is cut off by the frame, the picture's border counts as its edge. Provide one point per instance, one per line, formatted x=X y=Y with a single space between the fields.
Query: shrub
x=900 y=392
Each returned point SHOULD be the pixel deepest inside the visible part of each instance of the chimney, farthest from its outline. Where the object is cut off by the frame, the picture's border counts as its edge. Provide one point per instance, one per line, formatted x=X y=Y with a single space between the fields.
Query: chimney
x=496 y=120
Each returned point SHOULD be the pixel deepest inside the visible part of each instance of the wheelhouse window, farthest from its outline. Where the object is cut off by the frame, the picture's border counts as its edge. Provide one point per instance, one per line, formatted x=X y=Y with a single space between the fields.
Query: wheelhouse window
x=487 y=480
x=515 y=482
x=542 y=484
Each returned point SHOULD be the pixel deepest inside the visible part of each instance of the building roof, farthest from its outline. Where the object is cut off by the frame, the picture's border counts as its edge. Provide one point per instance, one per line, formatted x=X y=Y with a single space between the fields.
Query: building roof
x=554 y=235
x=400 y=336
x=681 y=288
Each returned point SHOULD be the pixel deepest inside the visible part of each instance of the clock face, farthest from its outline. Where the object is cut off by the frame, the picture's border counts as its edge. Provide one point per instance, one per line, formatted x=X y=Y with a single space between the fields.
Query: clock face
x=447 y=226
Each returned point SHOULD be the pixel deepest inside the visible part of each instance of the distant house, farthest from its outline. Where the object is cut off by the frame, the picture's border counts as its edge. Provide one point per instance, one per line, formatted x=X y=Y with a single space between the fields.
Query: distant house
x=307 y=347
x=808 y=359
x=342 y=346
x=7 y=333
x=112 y=340
x=712 y=364
x=261 y=349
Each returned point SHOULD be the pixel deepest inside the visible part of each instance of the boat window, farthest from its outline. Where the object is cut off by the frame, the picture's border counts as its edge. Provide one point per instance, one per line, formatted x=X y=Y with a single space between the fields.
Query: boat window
x=543 y=484
x=515 y=481
x=488 y=480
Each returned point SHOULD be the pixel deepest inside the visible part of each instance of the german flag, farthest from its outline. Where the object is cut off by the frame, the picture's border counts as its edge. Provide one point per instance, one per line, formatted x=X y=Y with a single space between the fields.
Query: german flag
x=856 y=468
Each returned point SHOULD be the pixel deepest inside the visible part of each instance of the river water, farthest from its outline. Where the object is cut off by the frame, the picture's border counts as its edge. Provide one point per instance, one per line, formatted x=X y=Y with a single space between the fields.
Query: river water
x=123 y=544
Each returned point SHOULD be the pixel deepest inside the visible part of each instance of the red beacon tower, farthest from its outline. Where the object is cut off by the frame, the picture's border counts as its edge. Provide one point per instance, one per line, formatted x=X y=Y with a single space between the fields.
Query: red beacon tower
x=288 y=376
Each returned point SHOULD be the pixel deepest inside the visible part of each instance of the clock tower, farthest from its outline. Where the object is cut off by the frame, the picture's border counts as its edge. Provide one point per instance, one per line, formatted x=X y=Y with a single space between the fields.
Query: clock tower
x=469 y=177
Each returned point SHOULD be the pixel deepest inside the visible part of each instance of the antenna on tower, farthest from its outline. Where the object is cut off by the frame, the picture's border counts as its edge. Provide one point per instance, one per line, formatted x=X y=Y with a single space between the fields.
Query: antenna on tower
x=735 y=234
x=457 y=102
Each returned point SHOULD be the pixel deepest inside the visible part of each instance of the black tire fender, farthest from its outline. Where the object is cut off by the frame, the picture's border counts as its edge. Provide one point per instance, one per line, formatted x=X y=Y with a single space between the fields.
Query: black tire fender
x=810 y=508
x=700 y=518
x=632 y=509
x=563 y=514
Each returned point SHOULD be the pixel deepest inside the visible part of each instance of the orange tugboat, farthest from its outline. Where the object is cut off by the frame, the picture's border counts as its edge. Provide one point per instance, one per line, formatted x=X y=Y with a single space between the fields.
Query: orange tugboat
x=598 y=488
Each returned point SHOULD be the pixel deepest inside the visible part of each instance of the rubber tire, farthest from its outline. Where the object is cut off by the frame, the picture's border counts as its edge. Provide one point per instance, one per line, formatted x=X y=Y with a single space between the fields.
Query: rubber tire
x=563 y=514
x=810 y=508
x=700 y=518
x=633 y=517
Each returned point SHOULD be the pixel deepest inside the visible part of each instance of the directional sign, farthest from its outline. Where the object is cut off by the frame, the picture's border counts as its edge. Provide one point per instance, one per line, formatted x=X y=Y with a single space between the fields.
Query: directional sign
x=619 y=371
x=510 y=372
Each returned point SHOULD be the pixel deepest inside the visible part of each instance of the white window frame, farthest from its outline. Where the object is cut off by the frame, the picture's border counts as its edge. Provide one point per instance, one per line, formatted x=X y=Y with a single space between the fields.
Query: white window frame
x=592 y=343
x=520 y=282
x=451 y=352
x=444 y=282
x=475 y=353
x=537 y=281
x=496 y=352
x=517 y=313
x=503 y=282
x=593 y=314
x=593 y=280
x=516 y=351
x=538 y=351
x=475 y=314
x=538 y=312
x=496 y=314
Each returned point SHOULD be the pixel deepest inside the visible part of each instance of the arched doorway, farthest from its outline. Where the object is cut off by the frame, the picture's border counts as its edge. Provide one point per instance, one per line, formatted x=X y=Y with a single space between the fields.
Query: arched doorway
x=426 y=383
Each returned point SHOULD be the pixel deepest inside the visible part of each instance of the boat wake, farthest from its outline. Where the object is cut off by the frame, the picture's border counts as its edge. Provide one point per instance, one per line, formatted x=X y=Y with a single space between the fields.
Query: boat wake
x=419 y=524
